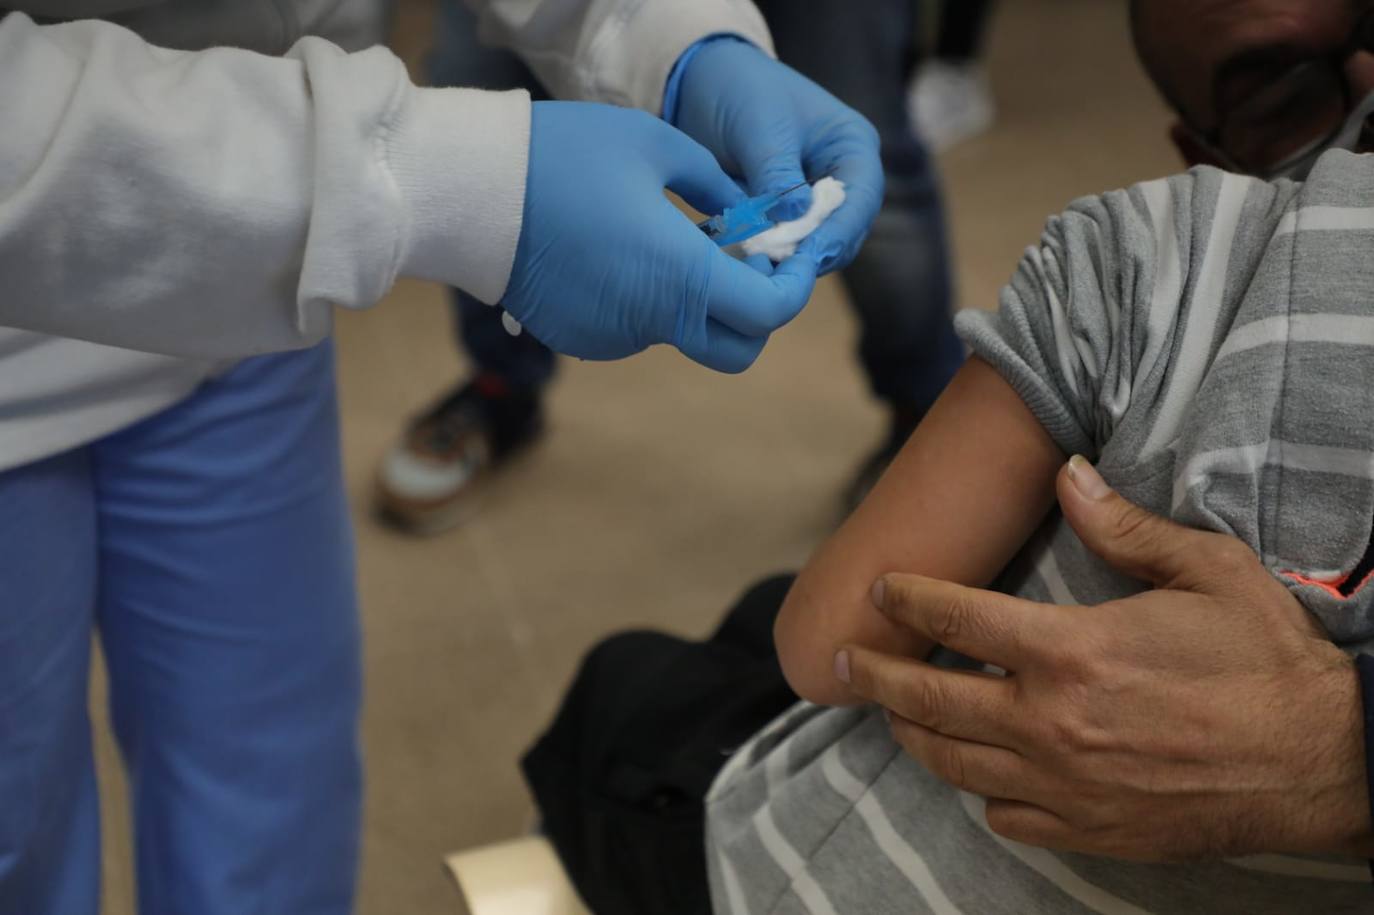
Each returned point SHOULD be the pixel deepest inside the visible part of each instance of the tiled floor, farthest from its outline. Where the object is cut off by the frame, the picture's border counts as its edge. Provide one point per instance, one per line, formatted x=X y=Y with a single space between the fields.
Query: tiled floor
x=663 y=490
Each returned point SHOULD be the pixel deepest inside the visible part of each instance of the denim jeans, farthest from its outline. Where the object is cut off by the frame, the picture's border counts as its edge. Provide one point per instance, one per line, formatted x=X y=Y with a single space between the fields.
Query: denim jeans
x=900 y=282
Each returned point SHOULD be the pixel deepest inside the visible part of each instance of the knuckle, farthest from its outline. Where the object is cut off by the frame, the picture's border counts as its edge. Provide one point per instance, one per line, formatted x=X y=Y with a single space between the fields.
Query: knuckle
x=1003 y=821
x=1062 y=659
x=1127 y=519
x=1062 y=734
x=1231 y=557
x=952 y=621
x=1067 y=735
x=1132 y=524
x=873 y=677
x=1078 y=666
x=949 y=764
x=929 y=704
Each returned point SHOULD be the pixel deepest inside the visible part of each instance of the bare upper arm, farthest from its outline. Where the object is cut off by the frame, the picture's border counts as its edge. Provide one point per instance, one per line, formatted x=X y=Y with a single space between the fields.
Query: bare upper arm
x=971 y=485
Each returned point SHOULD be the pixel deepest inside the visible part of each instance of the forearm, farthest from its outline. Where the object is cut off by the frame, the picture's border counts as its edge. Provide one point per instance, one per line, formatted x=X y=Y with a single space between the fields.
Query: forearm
x=220 y=203
x=614 y=51
x=960 y=500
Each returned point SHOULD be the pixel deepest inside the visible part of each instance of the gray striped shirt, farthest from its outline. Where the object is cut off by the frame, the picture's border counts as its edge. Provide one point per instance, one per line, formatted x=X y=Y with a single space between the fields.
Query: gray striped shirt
x=1208 y=340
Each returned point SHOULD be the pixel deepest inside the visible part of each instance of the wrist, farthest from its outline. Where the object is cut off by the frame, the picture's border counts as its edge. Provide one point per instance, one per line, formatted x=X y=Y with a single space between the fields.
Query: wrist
x=633 y=70
x=672 y=91
x=1364 y=668
x=1330 y=811
x=723 y=64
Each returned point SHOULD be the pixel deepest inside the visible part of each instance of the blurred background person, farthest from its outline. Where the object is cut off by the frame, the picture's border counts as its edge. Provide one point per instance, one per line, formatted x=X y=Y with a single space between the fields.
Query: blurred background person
x=899 y=284
x=951 y=100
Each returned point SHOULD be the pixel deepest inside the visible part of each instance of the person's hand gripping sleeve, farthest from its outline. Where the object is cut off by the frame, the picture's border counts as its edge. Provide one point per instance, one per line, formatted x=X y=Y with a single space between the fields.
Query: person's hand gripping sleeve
x=606 y=266
x=774 y=127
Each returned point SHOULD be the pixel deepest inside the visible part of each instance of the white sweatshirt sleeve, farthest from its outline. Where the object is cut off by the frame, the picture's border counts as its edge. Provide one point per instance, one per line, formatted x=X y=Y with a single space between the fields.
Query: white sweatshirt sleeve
x=615 y=51
x=219 y=203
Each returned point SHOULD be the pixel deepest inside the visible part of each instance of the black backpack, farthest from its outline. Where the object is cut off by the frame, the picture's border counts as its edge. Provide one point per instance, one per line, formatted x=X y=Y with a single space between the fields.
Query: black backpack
x=621 y=776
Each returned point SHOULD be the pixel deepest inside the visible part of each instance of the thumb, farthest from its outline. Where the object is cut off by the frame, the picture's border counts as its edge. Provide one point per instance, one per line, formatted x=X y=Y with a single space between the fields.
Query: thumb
x=768 y=152
x=1132 y=540
x=692 y=172
x=774 y=170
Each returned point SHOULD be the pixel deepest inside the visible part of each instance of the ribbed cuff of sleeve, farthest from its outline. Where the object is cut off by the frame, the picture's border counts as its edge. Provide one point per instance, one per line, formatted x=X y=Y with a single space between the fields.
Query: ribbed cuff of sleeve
x=633 y=66
x=1364 y=665
x=459 y=158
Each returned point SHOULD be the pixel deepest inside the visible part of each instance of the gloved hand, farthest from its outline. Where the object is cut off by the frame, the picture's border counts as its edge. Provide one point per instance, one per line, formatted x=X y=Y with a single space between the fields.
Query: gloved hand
x=606 y=266
x=775 y=128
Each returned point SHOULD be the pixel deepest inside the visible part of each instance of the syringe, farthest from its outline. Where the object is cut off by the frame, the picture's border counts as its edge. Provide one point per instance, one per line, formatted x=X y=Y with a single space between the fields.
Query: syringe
x=744 y=220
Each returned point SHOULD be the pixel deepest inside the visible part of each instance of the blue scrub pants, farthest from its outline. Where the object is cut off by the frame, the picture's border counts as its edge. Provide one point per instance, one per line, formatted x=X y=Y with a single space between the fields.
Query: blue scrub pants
x=210 y=548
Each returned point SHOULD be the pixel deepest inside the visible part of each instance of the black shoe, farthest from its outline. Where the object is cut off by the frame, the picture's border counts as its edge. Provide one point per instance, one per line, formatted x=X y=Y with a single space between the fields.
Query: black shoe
x=423 y=482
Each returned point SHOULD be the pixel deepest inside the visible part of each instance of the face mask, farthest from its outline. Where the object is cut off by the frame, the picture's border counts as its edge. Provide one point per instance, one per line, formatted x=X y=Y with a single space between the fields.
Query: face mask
x=1300 y=163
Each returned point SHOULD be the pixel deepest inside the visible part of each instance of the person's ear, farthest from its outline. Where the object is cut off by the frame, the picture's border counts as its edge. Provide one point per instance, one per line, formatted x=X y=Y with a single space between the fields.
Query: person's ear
x=1192 y=149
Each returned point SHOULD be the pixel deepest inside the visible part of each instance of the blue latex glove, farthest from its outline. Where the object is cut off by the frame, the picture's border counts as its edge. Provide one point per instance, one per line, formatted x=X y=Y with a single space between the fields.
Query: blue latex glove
x=606 y=266
x=775 y=128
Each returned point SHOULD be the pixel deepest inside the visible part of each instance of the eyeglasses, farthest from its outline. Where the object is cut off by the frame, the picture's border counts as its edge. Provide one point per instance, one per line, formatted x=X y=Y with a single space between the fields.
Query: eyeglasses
x=1284 y=126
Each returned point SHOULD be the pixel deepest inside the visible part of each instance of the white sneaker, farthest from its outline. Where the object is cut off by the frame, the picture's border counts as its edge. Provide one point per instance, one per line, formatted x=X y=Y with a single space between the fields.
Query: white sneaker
x=949 y=103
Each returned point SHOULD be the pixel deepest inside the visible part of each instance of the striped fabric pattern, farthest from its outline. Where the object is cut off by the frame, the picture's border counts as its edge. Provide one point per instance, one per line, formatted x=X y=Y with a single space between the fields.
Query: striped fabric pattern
x=1208 y=340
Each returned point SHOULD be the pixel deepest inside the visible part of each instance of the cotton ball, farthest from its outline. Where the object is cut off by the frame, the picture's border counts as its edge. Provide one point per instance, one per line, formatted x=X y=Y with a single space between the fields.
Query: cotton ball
x=780 y=242
x=511 y=325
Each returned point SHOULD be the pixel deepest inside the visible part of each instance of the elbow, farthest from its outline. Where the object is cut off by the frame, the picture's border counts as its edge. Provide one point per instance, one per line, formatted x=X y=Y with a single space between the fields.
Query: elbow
x=813 y=626
x=808 y=662
x=821 y=689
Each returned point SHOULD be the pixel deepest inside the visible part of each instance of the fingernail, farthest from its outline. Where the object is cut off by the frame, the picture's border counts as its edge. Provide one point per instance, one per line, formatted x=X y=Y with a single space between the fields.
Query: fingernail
x=1087 y=480
x=878 y=592
x=842 y=666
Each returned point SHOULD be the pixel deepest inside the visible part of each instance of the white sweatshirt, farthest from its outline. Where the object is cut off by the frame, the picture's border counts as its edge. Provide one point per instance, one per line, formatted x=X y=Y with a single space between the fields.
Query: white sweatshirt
x=206 y=205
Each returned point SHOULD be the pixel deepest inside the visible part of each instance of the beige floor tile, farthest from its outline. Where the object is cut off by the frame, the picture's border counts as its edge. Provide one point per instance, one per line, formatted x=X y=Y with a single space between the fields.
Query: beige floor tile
x=662 y=490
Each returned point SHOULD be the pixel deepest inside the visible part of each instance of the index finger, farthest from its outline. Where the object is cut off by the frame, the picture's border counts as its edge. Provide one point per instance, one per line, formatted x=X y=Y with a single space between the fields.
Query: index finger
x=837 y=240
x=963 y=704
x=991 y=627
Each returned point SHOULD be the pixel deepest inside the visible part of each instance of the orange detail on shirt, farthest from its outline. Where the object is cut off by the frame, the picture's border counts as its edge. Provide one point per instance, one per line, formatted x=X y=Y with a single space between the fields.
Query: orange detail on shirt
x=1331 y=586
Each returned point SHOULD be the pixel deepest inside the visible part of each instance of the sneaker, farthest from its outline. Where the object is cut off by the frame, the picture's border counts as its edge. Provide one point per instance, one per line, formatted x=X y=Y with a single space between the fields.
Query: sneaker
x=424 y=481
x=949 y=103
x=904 y=422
